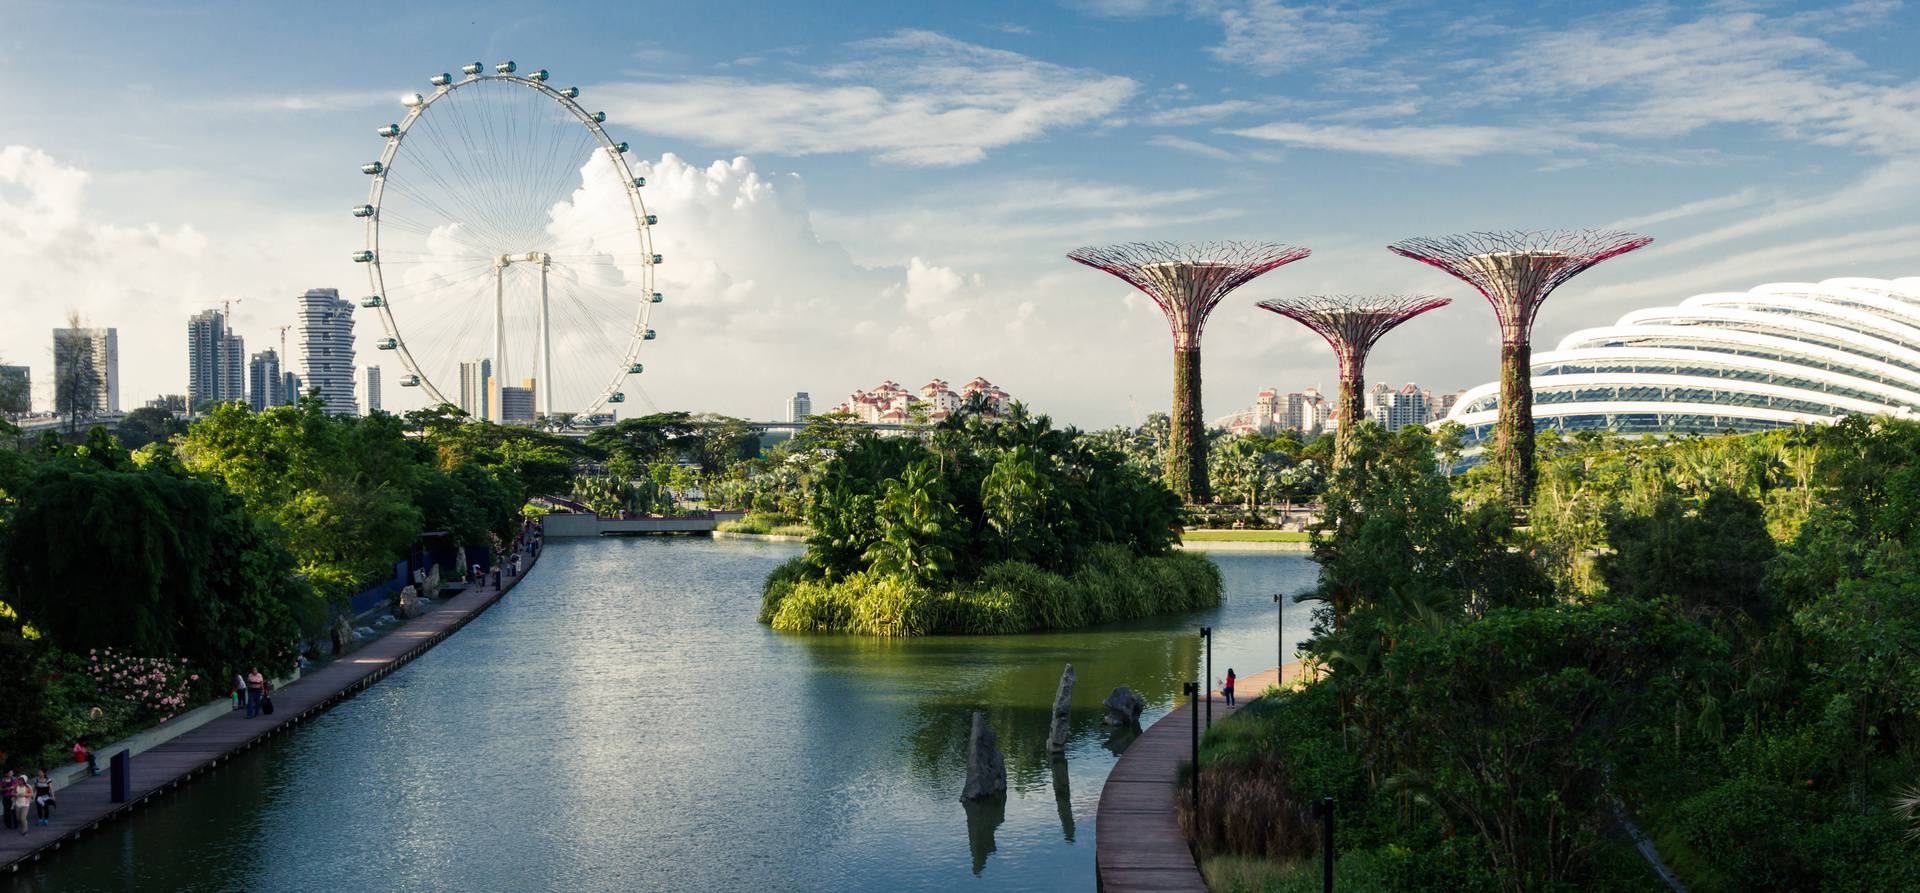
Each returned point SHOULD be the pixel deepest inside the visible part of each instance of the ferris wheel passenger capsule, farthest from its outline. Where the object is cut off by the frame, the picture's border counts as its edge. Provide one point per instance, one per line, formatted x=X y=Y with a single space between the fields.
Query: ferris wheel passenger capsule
x=616 y=397
x=373 y=167
x=620 y=148
x=506 y=67
x=390 y=131
x=636 y=369
x=363 y=211
x=571 y=93
x=540 y=75
x=373 y=301
x=650 y=335
x=599 y=117
x=471 y=68
x=387 y=343
x=409 y=381
x=657 y=258
x=440 y=80
x=653 y=219
x=362 y=257
x=412 y=100
x=639 y=182
x=656 y=298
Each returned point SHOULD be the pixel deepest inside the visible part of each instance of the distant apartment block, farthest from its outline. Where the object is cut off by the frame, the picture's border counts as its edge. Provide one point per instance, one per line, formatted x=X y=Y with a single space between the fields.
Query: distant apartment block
x=891 y=404
x=326 y=348
x=16 y=389
x=265 y=384
x=799 y=407
x=216 y=360
x=87 y=360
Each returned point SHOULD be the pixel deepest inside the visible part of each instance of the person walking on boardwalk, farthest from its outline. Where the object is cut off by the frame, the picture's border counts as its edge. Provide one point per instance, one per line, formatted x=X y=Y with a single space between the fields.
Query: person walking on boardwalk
x=43 y=796
x=1227 y=687
x=239 y=691
x=20 y=798
x=256 y=688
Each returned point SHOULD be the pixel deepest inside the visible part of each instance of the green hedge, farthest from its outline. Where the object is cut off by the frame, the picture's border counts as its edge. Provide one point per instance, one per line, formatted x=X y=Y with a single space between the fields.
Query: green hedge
x=1008 y=597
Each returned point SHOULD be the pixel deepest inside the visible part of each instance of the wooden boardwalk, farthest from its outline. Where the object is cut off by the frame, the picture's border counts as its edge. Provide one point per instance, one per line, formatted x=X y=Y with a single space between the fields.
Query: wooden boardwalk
x=87 y=804
x=1139 y=845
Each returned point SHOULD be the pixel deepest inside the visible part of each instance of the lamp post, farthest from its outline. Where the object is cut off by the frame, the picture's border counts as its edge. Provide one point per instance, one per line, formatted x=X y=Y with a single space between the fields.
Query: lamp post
x=1192 y=690
x=1280 y=634
x=1206 y=632
x=1323 y=811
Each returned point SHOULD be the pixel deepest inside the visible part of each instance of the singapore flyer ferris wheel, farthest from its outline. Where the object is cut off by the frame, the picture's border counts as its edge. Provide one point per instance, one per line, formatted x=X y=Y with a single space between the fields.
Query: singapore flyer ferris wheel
x=509 y=250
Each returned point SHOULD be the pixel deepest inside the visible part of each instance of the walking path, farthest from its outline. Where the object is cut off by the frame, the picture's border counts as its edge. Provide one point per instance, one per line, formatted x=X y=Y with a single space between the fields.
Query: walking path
x=1139 y=844
x=85 y=805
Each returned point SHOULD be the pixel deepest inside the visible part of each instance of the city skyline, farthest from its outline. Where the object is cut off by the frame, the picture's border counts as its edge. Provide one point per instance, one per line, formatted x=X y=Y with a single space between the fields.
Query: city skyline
x=1759 y=144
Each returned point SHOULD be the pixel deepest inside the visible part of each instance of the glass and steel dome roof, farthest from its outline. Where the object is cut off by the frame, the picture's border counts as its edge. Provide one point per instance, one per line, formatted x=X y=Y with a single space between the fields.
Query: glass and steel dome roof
x=1779 y=354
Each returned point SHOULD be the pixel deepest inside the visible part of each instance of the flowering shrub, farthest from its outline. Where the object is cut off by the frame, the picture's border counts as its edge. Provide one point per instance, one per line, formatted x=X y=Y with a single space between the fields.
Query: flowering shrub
x=158 y=686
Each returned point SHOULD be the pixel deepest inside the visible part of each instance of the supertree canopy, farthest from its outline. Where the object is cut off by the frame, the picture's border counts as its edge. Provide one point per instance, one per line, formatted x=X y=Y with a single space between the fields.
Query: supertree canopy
x=1188 y=281
x=1352 y=324
x=1516 y=270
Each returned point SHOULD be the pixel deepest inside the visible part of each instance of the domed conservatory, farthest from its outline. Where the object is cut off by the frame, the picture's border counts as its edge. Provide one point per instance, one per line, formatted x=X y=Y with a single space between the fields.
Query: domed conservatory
x=1777 y=355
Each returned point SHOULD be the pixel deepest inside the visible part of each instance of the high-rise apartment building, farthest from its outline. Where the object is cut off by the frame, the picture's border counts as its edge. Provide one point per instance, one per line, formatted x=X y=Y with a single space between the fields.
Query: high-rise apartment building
x=265 y=385
x=216 y=360
x=799 y=407
x=292 y=388
x=16 y=389
x=370 y=389
x=1395 y=409
x=516 y=404
x=326 y=348
x=476 y=379
x=86 y=370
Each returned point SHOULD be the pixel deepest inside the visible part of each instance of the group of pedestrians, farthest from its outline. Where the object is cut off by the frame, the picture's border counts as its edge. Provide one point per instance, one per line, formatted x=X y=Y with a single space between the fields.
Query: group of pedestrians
x=28 y=801
x=254 y=692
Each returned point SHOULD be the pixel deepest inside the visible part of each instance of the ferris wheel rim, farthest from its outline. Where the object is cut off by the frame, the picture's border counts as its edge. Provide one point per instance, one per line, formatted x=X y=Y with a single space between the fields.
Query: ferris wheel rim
x=418 y=104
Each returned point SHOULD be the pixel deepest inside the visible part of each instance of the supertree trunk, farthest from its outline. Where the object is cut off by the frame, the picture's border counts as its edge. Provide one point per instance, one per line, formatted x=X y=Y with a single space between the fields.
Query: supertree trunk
x=1352 y=409
x=1187 y=441
x=1513 y=432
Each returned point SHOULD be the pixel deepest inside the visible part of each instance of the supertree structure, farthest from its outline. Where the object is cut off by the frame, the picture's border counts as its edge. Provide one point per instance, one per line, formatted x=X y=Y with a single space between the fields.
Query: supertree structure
x=1516 y=270
x=1352 y=324
x=1188 y=281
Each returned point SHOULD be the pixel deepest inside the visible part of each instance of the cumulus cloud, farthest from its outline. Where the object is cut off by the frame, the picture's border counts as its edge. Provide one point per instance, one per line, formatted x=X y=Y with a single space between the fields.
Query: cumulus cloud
x=913 y=98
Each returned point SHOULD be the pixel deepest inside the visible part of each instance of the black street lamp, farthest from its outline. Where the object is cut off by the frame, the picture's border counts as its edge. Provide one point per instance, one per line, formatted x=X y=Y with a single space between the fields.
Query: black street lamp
x=1280 y=632
x=1206 y=632
x=1323 y=811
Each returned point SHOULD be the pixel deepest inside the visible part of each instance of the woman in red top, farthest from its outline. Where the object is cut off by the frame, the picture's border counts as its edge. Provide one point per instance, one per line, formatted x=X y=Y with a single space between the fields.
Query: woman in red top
x=1227 y=689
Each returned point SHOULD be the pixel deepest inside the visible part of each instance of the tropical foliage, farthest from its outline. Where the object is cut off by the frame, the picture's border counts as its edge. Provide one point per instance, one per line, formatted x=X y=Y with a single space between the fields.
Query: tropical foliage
x=984 y=525
x=1712 y=637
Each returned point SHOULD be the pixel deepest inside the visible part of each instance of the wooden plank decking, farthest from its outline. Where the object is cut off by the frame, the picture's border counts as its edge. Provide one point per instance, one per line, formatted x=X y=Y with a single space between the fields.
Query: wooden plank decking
x=85 y=805
x=1139 y=845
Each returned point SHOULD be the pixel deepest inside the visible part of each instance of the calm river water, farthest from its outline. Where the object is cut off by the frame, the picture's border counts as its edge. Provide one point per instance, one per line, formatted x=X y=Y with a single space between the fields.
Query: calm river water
x=620 y=722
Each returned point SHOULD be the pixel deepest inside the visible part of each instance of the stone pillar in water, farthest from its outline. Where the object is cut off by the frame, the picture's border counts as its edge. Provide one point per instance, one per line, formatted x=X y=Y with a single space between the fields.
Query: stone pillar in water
x=1062 y=712
x=986 y=770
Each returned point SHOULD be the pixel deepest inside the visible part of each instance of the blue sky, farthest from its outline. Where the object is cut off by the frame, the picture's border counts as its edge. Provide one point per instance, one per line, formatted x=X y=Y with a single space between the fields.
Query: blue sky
x=859 y=191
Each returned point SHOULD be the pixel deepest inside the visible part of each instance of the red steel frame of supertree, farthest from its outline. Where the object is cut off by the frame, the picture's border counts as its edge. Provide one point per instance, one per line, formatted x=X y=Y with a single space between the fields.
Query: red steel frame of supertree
x=1352 y=324
x=1516 y=270
x=1188 y=281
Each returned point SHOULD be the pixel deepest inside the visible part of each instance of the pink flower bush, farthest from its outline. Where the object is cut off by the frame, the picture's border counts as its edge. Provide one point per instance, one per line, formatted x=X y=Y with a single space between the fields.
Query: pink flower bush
x=157 y=685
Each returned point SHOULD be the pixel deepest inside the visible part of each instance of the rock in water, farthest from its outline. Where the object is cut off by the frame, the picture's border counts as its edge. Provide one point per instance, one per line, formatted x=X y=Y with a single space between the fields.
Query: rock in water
x=408 y=605
x=1123 y=708
x=1062 y=712
x=986 y=771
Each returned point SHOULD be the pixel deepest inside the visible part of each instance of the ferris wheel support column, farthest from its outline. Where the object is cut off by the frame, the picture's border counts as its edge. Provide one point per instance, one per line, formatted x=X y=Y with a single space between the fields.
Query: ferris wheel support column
x=499 y=387
x=545 y=384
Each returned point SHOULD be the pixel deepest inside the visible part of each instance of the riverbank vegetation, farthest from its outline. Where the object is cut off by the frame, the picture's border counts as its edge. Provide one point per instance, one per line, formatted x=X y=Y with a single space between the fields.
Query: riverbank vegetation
x=1711 y=638
x=221 y=545
x=984 y=526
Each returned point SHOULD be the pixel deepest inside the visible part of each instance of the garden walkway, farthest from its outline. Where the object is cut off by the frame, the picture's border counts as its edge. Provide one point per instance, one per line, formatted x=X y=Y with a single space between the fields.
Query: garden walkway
x=85 y=805
x=1138 y=842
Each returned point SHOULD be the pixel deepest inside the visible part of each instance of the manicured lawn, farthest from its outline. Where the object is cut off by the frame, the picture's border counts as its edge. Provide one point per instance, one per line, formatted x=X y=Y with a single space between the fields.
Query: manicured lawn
x=1244 y=536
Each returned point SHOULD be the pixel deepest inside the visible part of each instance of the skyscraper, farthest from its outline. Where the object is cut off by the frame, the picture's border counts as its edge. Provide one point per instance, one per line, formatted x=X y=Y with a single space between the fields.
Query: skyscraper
x=216 y=360
x=516 y=404
x=291 y=388
x=326 y=348
x=799 y=407
x=264 y=381
x=475 y=388
x=16 y=389
x=86 y=370
x=370 y=389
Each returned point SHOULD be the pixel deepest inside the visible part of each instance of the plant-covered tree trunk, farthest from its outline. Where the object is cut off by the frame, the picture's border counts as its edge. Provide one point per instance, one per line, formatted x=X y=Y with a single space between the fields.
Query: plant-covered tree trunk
x=1352 y=408
x=1513 y=433
x=1187 y=441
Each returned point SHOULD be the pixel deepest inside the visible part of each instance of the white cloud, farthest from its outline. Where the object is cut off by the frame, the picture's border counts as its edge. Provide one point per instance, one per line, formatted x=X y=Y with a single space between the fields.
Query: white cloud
x=1442 y=143
x=1195 y=147
x=913 y=98
x=1203 y=114
x=1269 y=36
x=1717 y=204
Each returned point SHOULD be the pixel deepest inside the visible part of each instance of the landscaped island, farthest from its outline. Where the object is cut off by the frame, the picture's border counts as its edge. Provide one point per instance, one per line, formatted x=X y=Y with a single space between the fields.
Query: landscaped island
x=985 y=526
